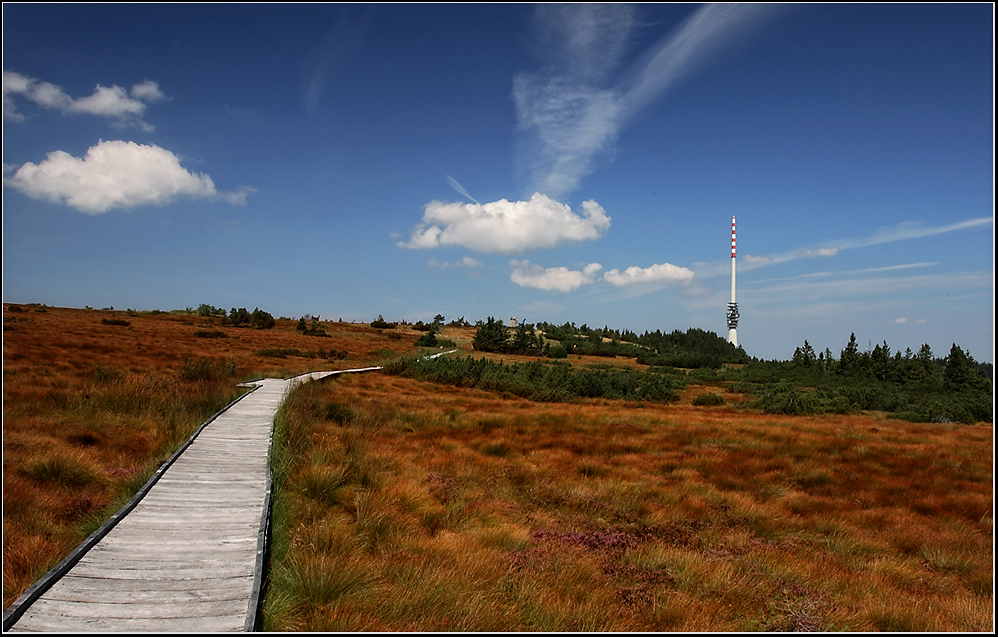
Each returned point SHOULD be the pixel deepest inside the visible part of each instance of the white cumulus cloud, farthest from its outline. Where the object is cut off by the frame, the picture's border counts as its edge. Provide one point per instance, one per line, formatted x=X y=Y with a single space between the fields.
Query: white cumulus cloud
x=115 y=174
x=507 y=227
x=664 y=273
x=112 y=102
x=530 y=275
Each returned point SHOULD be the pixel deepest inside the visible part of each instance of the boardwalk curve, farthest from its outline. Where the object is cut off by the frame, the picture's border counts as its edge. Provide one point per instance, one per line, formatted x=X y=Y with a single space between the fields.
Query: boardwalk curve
x=186 y=554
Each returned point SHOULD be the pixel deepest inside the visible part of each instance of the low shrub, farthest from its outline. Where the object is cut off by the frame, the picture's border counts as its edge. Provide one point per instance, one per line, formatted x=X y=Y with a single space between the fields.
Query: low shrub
x=430 y=339
x=257 y=319
x=382 y=324
x=784 y=398
x=708 y=400
x=113 y=321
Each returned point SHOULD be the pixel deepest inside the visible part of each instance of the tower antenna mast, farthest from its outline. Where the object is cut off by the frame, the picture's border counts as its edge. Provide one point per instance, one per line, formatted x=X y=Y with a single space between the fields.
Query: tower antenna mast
x=733 y=305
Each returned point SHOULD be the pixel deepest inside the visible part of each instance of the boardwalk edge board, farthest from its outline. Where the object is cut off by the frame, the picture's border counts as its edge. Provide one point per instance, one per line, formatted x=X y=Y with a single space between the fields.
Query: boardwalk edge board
x=253 y=608
x=45 y=582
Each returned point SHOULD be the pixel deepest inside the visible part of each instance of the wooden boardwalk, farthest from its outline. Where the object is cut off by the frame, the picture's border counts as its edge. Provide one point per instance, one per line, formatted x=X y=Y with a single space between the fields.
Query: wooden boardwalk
x=189 y=556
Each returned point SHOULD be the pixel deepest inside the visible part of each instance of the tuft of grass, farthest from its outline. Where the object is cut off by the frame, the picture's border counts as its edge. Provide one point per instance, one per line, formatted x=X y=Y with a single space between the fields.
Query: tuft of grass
x=318 y=579
x=338 y=413
x=67 y=469
x=103 y=374
x=324 y=483
x=207 y=369
x=497 y=449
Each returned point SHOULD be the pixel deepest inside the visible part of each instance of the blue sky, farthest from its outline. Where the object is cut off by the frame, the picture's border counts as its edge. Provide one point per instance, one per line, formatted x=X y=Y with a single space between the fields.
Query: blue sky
x=556 y=163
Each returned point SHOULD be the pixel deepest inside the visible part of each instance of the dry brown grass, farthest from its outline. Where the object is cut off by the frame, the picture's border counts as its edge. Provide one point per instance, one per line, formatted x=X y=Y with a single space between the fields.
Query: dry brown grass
x=456 y=509
x=414 y=506
x=91 y=404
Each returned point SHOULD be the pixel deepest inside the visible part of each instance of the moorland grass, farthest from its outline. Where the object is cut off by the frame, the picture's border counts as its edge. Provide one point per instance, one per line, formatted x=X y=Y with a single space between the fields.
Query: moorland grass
x=82 y=467
x=458 y=509
x=91 y=406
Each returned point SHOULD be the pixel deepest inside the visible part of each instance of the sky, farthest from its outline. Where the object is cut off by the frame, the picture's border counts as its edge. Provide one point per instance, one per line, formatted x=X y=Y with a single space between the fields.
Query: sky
x=554 y=163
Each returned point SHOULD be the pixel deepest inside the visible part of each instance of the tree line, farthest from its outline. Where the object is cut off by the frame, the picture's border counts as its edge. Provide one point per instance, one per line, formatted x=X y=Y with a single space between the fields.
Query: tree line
x=914 y=386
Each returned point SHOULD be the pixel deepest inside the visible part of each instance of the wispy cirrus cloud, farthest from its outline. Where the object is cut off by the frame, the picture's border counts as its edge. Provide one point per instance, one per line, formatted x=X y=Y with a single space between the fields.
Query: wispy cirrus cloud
x=911 y=230
x=859 y=289
x=335 y=51
x=507 y=227
x=900 y=232
x=116 y=174
x=571 y=111
x=122 y=107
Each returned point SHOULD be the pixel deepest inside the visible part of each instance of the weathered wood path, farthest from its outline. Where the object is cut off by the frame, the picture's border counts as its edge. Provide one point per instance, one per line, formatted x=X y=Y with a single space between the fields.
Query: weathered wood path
x=189 y=556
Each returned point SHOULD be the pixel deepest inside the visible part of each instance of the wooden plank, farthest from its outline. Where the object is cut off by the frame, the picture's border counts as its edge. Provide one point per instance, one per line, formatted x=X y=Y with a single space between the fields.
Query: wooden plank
x=183 y=625
x=139 y=610
x=164 y=591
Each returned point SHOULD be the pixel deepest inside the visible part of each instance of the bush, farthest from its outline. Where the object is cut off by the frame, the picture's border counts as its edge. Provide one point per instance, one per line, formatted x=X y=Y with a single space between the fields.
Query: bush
x=241 y=318
x=787 y=399
x=381 y=324
x=430 y=339
x=112 y=321
x=708 y=400
x=205 y=310
x=311 y=330
x=492 y=336
x=558 y=351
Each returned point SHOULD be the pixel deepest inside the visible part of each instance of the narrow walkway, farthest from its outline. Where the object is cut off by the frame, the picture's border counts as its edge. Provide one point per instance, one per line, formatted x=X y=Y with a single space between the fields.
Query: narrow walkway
x=189 y=556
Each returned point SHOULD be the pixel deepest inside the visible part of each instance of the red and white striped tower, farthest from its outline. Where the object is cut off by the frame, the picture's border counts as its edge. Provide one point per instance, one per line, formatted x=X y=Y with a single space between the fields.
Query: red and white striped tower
x=733 y=305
